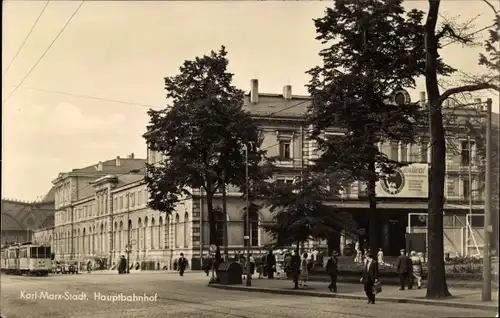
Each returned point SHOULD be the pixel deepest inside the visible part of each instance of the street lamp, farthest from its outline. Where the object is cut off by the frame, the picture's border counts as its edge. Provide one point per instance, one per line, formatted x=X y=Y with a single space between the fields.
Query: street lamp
x=128 y=248
x=247 y=218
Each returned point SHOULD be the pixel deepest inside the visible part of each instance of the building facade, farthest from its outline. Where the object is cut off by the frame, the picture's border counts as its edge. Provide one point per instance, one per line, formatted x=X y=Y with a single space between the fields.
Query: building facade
x=102 y=209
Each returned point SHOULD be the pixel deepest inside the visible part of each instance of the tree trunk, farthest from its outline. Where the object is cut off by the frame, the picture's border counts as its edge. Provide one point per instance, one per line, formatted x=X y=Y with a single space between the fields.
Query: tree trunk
x=224 y=215
x=373 y=240
x=436 y=278
x=212 y=227
x=297 y=272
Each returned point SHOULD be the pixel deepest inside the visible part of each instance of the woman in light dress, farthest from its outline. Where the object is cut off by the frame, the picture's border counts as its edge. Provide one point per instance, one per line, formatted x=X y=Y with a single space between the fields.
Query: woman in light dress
x=304 y=274
x=417 y=267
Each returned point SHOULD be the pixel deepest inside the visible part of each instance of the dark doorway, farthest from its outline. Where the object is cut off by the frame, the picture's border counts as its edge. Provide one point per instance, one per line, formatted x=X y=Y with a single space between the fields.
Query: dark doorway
x=334 y=243
x=397 y=235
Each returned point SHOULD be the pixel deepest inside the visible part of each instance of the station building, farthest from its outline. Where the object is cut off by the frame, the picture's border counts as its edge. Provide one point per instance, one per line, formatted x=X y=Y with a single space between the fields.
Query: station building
x=102 y=209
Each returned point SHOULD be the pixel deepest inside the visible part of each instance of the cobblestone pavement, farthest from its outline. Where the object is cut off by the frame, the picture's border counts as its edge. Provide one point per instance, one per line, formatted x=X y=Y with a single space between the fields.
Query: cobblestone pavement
x=187 y=296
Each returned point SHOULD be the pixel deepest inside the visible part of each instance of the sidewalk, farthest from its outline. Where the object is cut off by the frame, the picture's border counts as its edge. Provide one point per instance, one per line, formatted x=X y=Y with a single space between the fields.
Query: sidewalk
x=462 y=297
x=135 y=272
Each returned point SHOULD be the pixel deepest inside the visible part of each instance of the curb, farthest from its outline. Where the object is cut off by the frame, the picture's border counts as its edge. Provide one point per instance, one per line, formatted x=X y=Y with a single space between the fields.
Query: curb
x=356 y=297
x=394 y=282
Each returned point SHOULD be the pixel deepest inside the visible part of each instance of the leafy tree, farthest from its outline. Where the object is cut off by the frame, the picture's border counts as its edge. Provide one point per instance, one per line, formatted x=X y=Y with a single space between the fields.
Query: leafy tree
x=300 y=212
x=436 y=282
x=201 y=136
x=374 y=48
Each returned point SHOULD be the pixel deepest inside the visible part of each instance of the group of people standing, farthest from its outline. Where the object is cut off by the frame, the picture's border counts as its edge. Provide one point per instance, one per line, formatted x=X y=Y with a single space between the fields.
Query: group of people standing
x=409 y=269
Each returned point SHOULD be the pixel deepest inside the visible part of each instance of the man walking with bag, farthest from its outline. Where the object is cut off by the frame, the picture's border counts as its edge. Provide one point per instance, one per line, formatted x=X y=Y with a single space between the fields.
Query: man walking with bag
x=332 y=271
x=370 y=277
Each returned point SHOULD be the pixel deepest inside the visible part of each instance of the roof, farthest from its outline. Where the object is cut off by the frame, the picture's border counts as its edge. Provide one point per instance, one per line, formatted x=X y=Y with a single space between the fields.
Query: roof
x=277 y=106
x=128 y=178
x=50 y=196
x=21 y=216
x=110 y=167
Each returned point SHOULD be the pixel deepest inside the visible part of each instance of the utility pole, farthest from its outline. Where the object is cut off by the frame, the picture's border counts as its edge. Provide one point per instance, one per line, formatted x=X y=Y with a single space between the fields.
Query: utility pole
x=128 y=249
x=486 y=292
x=247 y=218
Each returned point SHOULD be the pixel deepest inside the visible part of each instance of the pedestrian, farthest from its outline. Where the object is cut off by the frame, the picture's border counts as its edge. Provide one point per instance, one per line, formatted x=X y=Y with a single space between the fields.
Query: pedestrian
x=271 y=264
x=380 y=257
x=417 y=270
x=370 y=277
x=252 y=264
x=403 y=268
x=122 y=265
x=357 y=249
x=304 y=273
x=182 y=264
x=332 y=271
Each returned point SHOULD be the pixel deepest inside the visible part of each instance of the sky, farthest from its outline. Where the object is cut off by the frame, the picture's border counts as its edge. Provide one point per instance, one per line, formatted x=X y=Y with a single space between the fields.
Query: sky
x=61 y=118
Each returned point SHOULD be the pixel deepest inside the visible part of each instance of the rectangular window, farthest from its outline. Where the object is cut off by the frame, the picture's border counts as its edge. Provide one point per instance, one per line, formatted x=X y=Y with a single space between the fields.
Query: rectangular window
x=285 y=150
x=465 y=153
x=280 y=182
x=121 y=203
x=289 y=181
x=394 y=151
x=132 y=198
x=115 y=204
x=139 y=197
x=466 y=188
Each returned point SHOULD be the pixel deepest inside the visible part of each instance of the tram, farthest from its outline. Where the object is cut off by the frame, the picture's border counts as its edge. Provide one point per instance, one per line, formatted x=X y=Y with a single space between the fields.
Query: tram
x=26 y=258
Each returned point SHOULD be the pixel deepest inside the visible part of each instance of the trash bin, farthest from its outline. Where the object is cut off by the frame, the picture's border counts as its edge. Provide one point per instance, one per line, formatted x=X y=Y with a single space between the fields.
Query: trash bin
x=230 y=273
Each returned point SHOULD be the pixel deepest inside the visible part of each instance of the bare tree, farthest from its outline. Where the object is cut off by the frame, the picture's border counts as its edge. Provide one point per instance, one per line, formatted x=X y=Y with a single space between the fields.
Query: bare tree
x=436 y=285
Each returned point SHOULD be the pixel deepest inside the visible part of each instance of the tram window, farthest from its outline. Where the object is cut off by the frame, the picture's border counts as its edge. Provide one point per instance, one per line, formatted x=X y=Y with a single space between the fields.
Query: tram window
x=23 y=253
x=35 y=253
x=47 y=251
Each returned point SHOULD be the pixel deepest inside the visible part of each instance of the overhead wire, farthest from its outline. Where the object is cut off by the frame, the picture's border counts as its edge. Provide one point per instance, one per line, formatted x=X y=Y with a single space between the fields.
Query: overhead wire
x=45 y=52
x=27 y=37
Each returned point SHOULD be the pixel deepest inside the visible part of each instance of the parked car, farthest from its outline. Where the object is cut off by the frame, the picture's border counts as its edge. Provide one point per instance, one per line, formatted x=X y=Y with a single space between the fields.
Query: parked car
x=57 y=267
x=70 y=268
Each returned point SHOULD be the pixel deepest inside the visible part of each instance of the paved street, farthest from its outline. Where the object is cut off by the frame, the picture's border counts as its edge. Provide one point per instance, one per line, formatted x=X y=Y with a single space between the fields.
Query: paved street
x=188 y=296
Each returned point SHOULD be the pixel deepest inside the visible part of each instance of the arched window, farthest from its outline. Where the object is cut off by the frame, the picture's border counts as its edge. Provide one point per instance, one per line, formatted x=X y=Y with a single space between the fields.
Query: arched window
x=254 y=228
x=115 y=236
x=186 y=229
x=89 y=242
x=139 y=234
x=146 y=234
x=152 y=231
x=94 y=239
x=176 y=231
x=120 y=237
x=101 y=239
x=160 y=233
x=167 y=233
x=219 y=226
x=129 y=233
x=83 y=241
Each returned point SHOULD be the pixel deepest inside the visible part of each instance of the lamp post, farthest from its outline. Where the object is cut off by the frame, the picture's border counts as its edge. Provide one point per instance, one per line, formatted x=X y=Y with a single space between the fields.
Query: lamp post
x=128 y=248
x=247 y=218
x=488 y=205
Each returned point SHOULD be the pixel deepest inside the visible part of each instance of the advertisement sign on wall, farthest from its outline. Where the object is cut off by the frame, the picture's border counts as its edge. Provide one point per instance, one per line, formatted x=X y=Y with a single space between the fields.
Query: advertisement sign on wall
x=411 y=181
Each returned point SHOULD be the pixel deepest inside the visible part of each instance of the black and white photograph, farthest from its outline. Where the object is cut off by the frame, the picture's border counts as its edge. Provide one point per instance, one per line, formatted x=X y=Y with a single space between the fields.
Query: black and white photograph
x=250 y=159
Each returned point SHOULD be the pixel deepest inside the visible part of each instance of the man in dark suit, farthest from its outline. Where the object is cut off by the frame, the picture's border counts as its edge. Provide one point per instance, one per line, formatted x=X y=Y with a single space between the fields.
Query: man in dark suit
x=403 y=268
x=271 y=264
x=370 y=276
x=332 y=271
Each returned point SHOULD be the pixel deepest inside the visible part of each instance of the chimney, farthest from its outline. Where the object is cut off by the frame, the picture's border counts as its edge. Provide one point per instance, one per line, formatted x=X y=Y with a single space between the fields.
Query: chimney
x=254 y=91
x=99 y=166
x=423 y=102
x=287 y=92
x=131 y=156
x=118 y=161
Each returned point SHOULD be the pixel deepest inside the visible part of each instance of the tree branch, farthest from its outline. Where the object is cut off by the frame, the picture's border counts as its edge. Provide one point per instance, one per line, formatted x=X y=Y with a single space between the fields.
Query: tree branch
x=467 y=88
x=448 y=30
